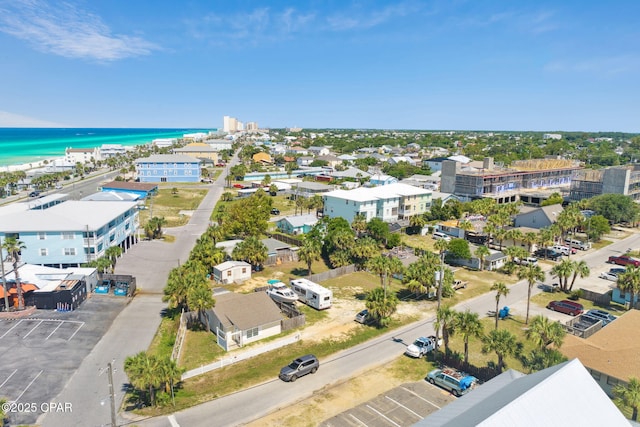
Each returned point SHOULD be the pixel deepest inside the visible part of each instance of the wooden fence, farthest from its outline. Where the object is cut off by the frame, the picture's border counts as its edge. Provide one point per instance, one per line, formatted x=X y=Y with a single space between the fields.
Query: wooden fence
x=484 y=374
x=330 y=274
x=601 y=299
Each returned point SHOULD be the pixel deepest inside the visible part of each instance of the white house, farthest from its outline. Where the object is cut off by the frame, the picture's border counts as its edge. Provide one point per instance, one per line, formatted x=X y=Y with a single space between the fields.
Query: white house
x=382 y=179
x=319 y=151
x=388 y=202
x=232 y=272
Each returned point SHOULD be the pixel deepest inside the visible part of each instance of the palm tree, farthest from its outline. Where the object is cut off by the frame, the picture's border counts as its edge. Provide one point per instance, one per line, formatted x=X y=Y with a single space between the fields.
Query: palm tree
x=543 y=332
x=580 y=268
x=530 y=238
x=468 y=325
x=385 y=267
x=531 y=273
x=563 y=271
x=417 y=222
x=381 y=306
x=309 y=251
x=14 y=247
x=445 y=319
x=170 y=373
x=359 y=223
x=200 y=299
x=628 y=396
x=501 y=291
x=482 y=252
x=112 y=253
x=500 y=235
x=629 y=282
x=144 y=374
x=503 y=343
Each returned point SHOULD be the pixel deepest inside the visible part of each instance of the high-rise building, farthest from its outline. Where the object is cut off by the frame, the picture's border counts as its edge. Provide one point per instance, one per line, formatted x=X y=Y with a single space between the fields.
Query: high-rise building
x=252 y=126
x=231 y=124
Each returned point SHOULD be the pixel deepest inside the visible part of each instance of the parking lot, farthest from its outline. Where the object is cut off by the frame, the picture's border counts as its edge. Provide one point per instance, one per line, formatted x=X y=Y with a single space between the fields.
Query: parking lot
x=42 y=351
x=404 y=405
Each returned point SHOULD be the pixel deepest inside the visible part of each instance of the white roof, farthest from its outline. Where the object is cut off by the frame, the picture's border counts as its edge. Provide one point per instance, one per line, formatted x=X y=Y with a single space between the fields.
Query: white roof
x=47 y=278
x=460 y=158
x=231 y=264
x=168 y=158
x=300 y=220
x=71 y=215
x=377 y=193
x=564 y=394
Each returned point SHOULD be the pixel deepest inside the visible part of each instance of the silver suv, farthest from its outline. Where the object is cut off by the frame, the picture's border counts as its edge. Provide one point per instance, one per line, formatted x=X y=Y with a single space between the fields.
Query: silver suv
x=299 y=367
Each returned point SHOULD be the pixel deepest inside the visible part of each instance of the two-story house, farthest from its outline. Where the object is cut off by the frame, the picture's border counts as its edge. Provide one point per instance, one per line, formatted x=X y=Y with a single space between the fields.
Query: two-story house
x=168 y=168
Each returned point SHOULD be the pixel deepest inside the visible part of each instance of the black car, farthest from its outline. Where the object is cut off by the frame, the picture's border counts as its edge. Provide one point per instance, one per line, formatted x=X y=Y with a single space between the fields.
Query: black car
x=34 y=194
x=548 y=254
x=275 y=211
x=299 y=367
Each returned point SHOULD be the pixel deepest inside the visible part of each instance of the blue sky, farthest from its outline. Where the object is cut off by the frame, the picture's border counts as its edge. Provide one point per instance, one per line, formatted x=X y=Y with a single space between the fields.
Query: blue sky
x=483 y=65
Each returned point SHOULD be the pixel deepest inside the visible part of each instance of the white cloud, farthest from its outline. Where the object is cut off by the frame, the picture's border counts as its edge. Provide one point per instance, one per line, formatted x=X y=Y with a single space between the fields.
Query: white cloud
x=67 y=31
x=16 y=120
x=356 y=19
x=602 y=66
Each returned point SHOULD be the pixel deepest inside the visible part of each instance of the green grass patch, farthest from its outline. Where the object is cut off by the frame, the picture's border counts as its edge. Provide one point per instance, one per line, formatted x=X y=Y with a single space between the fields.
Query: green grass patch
x=601 y=244
x=199 y=348
x=165 y=337
x=543 y=298
x=168 y=204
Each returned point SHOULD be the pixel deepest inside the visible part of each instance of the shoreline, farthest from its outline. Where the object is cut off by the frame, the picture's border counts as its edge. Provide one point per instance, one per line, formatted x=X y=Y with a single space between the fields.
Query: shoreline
x=32 y=165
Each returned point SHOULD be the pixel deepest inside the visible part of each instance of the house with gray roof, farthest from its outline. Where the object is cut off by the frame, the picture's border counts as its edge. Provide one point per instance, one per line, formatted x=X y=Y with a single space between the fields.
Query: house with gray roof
x=298 y=224
x=240 y=319
x=537 y=217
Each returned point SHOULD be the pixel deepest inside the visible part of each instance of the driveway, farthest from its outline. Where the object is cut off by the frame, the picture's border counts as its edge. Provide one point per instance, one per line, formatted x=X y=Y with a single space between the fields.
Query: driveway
x=134 y=329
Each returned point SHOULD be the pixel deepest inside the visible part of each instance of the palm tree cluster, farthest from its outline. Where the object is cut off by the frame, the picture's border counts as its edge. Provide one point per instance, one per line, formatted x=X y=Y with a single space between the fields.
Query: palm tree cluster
x=629 y=283
x=566 y=269
x=9 y=181
x=153 y=227
x=13 y=247
x=154 y=377
x=106 y=263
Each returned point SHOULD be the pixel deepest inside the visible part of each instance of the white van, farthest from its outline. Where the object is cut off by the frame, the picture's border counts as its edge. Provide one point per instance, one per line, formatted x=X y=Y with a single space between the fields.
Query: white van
x=438 y=235
x=583 y=246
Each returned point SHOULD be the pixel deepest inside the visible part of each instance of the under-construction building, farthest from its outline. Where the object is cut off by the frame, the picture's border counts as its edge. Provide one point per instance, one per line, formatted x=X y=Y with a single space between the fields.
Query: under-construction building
x=506 y=184
x=614 y=180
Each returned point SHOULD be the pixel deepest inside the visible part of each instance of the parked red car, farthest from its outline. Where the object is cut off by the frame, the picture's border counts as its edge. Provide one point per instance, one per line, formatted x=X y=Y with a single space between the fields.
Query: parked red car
x=567 y=307
x=624 y=260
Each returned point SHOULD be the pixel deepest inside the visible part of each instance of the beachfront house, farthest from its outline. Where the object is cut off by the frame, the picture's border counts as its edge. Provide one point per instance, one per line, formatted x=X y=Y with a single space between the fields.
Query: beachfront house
x=67 y=233
x=168 y=168
x=81 y=155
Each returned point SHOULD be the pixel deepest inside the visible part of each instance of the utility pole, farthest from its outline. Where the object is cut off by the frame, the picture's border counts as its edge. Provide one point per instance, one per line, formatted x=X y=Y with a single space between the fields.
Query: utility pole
x=4 y=279
x=112 y=396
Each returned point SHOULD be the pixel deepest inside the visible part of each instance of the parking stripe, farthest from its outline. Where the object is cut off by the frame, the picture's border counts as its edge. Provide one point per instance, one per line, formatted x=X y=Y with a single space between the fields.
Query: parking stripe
x=402 y=406
x=33 y=329
x=357 y=420
x=74 y=334
x=54 y=331
x=3 y=335
x=8 y=378
x=420 y=397
x=383 y=416
x=29 y=385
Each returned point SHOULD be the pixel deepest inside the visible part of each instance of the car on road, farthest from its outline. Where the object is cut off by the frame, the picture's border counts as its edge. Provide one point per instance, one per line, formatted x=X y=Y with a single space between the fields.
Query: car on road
x=421 y=346
x=623 y=260
x=555 y=287
x=58 y=186
x=567 y=307
x=35 y=193
x=275 y=211
x=608 y=276
x=299 y=367
x=605 y=316
x=362 y=317
x=548 y=254
x=221 y=164
x=458 y=383
x=206 y=180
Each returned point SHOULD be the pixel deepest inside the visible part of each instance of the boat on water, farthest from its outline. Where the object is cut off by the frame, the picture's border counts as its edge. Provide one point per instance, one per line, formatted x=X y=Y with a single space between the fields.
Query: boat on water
x=280 y=292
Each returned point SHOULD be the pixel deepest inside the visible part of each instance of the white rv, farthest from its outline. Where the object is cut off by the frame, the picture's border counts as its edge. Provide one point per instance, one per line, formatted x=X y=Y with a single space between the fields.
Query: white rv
x=312 y=294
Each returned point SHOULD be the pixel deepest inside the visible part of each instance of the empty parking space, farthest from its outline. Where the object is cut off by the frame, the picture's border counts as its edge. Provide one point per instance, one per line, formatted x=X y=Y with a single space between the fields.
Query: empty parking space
x=402 y=406
x=46 y=349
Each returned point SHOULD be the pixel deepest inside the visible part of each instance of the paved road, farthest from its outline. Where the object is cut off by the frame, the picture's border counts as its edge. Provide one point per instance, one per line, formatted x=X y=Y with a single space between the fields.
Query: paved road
x=132 y=331
x=253 y=403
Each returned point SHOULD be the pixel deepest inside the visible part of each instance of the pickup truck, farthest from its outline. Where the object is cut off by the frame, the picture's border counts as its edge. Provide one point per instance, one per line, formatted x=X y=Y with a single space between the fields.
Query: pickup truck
x=624 y=260
x=457 y=382
x=421 y=346
x=459 y=284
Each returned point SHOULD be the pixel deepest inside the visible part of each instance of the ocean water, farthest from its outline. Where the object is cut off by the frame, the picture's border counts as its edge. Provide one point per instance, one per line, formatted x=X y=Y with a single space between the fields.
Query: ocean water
x=26 y=145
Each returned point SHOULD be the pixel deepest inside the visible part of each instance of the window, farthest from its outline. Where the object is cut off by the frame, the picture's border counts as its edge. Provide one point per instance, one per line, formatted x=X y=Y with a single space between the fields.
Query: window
x=595 y=374
x=612 y=381
x=244 y=270
x=66 y=235
x=69 y=251
x=229 y=273
x=42 y=236
x=253 y=332
x=43 y=252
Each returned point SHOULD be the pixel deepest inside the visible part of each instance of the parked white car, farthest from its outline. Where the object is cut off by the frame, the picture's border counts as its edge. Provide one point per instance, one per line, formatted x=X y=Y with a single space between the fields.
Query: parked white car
x=608 y=276
x=564 y=250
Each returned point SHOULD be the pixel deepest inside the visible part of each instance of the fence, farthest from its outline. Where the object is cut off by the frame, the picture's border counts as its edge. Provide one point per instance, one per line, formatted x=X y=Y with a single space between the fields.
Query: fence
x=182 y=332
x=484 y=374
x=601 y=299
x=240 y=355
x=582 y=326
x=336 y=272
x=295 y=318
x=286 y=239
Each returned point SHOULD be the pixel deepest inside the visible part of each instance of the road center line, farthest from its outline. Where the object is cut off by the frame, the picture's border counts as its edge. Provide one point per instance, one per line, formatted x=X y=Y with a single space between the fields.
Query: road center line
x=173 y=421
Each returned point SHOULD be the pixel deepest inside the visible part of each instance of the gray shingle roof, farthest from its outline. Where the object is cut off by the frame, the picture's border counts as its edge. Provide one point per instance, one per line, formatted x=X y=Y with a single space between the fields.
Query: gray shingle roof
x=246 y=311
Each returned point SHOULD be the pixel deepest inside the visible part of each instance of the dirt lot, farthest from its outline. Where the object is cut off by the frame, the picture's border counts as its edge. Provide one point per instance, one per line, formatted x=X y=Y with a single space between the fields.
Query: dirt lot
x=341 y=397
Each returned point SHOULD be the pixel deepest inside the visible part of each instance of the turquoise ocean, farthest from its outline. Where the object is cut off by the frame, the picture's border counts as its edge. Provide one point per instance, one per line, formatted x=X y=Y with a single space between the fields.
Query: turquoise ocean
x=27 y=145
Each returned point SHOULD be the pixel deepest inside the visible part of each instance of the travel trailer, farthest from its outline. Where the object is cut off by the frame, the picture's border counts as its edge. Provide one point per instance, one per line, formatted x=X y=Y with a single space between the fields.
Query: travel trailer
x=312 y=294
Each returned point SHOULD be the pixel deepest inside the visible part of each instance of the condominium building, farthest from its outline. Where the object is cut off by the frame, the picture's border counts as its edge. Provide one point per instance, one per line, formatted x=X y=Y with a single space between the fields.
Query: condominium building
x=614 y=180
x=231 y=124
x=389 y=202
x=504 y=184
x=168 y=168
